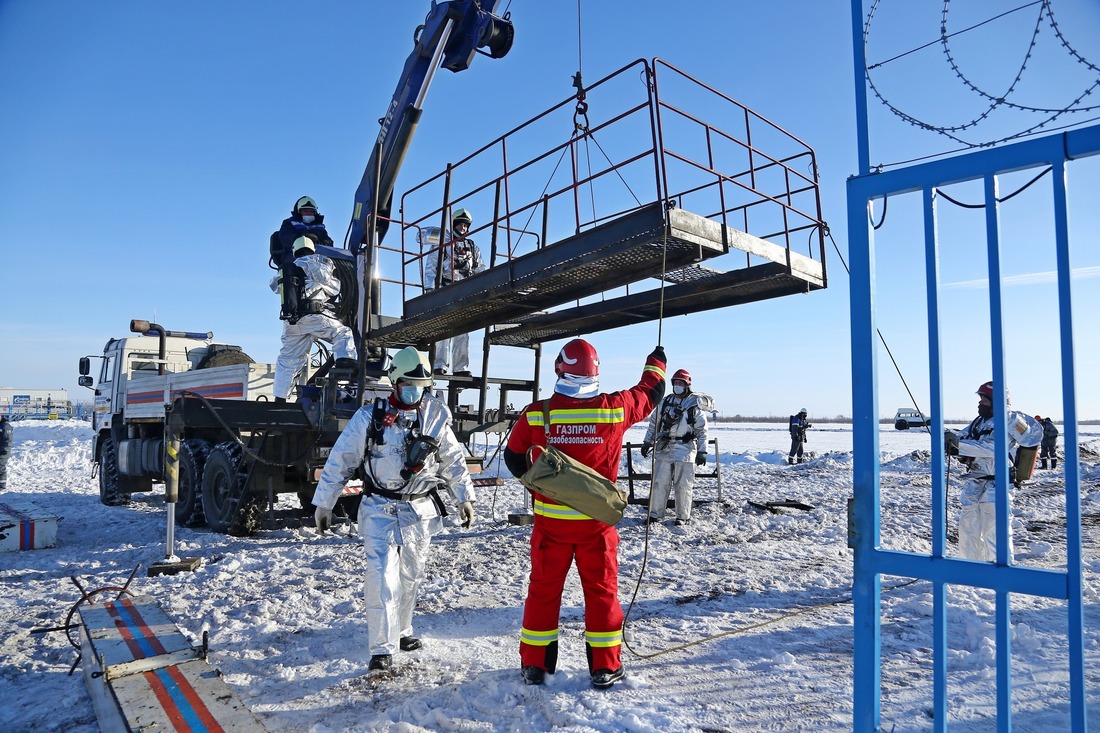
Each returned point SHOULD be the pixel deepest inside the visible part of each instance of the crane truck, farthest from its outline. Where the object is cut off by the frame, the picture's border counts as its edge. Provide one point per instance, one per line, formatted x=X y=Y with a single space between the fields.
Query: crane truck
x=199 y=415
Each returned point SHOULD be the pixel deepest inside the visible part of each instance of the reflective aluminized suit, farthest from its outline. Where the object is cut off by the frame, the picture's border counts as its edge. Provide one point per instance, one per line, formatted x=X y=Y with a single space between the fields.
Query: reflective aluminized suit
x=677 y=431
x=591 y=431
x=977 y=518
x=461 y=259
x=321 y=285
x=396 y=532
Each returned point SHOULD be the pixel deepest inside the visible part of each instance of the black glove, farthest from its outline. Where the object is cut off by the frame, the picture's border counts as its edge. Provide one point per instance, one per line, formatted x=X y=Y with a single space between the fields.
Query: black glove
x=950 y=443
x=646 y=448
x=659 y=354
x=700 y=459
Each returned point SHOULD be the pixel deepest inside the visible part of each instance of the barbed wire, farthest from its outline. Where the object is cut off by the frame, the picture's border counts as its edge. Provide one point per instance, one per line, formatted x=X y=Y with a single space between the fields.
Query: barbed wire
x=996 y=101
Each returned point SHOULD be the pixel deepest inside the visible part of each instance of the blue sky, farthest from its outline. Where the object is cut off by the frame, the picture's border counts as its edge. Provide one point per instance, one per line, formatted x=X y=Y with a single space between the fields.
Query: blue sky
x=148 y=150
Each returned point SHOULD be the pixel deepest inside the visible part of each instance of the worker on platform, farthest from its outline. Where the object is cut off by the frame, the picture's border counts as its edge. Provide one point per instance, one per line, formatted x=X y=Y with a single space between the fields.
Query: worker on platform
x=405 y=451
x=677 y=434
x=458 y=259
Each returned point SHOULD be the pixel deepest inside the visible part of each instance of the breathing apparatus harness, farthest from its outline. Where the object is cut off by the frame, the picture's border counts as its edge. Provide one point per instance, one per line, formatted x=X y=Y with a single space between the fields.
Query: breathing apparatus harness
x=419 y=447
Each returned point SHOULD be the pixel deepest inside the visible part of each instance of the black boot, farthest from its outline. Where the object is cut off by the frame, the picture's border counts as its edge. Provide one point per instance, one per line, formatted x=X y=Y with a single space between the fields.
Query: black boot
x=533 y=675
x=602 y=679
x=380 y=662
x=1053 y=463
x=1043 y=464
x=409 y=644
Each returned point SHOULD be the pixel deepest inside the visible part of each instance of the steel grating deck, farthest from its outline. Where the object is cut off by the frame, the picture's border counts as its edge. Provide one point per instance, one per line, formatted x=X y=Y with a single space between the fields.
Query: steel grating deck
x=634 y=247
x=720 y=289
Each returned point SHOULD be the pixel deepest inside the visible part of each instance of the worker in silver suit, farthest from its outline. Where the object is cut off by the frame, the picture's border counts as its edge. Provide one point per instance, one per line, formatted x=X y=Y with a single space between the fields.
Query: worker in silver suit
x=403 y=448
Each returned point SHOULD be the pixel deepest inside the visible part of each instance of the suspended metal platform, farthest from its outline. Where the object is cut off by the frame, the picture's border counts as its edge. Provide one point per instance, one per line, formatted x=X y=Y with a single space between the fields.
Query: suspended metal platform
x=693 y=289
x=633 y=247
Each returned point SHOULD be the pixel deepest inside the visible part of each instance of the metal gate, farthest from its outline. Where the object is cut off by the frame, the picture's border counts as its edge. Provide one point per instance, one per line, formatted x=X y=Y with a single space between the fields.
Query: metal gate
x=871 y=561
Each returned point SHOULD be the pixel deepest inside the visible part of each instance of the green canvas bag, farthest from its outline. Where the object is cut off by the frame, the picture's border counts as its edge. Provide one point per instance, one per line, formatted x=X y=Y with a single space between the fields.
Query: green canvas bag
x=567 y=481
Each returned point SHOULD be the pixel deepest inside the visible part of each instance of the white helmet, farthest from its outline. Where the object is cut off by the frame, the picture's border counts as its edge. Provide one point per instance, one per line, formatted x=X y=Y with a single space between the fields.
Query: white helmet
x=803 y=411
x=410 y=365
x=306 y=243
x=305 y=202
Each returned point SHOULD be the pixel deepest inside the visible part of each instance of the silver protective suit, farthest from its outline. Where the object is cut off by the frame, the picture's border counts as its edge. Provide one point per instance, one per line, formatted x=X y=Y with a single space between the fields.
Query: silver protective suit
x=396 y=532
x=677 y=431
x=977 y=517
x=460 y=260
x=320 y=284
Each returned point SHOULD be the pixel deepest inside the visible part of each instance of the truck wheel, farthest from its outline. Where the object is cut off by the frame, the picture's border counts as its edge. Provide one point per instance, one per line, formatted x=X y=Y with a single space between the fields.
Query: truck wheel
x=113 y=487
x=192 y=462
x=224 y=357
x=220 y=484
x=901 y=425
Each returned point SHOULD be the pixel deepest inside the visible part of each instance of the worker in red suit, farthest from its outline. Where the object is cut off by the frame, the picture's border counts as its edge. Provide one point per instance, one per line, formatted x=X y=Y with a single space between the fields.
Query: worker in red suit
x=587 y=425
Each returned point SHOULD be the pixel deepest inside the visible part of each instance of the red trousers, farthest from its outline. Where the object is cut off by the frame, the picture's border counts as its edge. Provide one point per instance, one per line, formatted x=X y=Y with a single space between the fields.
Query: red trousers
x=555 y=544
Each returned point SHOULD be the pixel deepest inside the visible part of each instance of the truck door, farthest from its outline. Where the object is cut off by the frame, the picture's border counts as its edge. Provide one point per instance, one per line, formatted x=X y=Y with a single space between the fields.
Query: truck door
x=104 y=392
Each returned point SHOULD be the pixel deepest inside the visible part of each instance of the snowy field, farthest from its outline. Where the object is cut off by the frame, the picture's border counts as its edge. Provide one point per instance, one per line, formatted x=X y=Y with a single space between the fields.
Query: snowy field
x=741 y=621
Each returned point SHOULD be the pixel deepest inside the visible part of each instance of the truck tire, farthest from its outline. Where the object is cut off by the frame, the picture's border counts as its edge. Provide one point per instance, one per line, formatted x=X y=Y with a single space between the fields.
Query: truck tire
x=114 y=488
x=901 y=425
x=220 y=483
x=224 y=357
x=189 y=511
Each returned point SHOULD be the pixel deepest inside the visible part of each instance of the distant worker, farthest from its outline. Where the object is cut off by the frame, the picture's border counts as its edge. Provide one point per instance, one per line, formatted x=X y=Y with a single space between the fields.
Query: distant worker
x=6 y=434
x=678 y=432
x=975 y=446
x=588 y=426
x=319 y=294
x=405 y=451
x=461 y=259
x=1050 y=442
x=798 y=427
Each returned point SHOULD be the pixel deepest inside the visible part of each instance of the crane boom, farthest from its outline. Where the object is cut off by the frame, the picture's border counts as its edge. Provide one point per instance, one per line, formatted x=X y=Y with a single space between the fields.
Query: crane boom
x=450 y=36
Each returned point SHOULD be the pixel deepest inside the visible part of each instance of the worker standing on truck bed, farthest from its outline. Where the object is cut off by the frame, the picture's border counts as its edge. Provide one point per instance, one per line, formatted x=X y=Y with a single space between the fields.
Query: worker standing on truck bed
x=317 y=290
x=405 y=451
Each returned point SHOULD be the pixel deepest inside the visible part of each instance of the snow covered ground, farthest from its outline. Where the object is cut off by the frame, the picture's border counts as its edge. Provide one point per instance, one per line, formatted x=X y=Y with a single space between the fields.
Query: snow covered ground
x=741 y=621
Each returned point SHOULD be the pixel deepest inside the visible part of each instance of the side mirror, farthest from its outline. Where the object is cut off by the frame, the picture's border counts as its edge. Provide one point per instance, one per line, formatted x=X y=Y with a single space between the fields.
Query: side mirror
x=85 y=366
x=84 y=381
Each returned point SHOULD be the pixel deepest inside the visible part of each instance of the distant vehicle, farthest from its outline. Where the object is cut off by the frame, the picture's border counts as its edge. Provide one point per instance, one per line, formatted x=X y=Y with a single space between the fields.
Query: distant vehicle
x=907 y=417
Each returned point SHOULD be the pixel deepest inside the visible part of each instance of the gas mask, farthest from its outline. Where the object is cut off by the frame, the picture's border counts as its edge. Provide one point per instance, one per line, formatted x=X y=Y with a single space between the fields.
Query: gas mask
x=985 y=411
x=420 y=447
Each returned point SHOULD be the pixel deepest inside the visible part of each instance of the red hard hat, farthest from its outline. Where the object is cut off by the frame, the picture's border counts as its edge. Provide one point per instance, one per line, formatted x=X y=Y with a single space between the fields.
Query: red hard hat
x=578 y=358
x=682 y=375
x=987 y=391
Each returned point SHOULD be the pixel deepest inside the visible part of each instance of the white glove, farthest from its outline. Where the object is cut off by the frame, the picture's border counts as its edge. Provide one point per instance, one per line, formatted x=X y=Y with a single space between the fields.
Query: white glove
x=466 y=513
x=323 y=518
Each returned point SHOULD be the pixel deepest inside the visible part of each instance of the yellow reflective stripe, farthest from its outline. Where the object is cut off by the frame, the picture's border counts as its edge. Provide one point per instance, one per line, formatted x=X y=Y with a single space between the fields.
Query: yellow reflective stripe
x=604 y=638
x=651 y=368
x=588 y=415
x=558 y=511
x=579 y=415
x=538 y=638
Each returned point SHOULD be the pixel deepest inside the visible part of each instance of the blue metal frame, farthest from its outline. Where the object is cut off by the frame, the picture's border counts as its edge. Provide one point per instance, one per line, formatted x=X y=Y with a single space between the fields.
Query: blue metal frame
x=870 y=561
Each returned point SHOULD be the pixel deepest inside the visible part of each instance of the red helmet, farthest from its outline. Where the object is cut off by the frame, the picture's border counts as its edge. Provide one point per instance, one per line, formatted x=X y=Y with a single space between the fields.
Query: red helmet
x=578 y=358
x=986 y=390
x=682 y=375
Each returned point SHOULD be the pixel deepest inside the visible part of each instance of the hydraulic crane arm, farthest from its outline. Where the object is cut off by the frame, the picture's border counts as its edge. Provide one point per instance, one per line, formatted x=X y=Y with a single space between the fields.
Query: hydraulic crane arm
x=450 y=36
